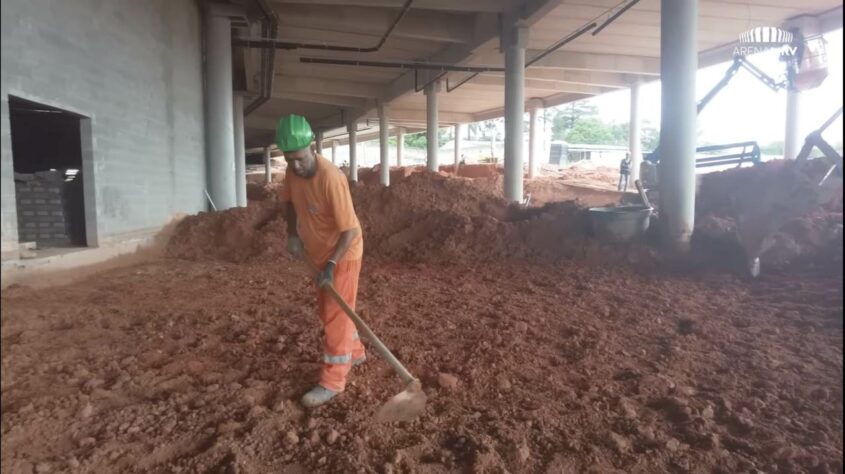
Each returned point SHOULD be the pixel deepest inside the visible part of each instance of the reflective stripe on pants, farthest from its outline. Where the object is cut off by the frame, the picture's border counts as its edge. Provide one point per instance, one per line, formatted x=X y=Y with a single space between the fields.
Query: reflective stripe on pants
x=340 y=344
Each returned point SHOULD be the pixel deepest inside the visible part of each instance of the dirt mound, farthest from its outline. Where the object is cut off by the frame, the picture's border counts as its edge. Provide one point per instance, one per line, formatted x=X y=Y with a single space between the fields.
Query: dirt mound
x=234 y=235
x=259 y=191
x=430 y=217
x=773 y=208
x=436 y=217
x=422 y=217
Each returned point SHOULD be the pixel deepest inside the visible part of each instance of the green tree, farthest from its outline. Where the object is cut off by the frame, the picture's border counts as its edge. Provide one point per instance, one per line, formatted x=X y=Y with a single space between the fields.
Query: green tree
x=416 y=140
x=420 y=141
x=566 y=117
x=590 y=131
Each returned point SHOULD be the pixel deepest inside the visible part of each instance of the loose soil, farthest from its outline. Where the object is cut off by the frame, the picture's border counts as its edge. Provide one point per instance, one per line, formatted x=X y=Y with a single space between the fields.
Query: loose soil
x=566 y=356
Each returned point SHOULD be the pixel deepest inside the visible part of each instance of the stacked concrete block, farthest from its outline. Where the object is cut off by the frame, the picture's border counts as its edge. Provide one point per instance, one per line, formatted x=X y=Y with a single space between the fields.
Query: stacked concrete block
x=41 y=209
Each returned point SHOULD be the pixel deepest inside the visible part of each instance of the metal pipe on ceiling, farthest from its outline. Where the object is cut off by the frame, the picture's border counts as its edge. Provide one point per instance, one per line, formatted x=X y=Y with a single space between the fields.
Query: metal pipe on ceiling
x=273 y=43
x=569 y=38
x=616 y=15
x=402 y=65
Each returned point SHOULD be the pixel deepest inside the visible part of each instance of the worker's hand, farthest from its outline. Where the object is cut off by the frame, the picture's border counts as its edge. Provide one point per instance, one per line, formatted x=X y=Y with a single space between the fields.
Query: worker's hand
x=295 y=246
x=326 y=276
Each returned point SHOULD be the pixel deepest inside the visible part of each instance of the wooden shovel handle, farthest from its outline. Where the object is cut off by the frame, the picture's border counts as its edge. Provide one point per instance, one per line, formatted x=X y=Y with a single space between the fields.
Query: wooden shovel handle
x=365 y=330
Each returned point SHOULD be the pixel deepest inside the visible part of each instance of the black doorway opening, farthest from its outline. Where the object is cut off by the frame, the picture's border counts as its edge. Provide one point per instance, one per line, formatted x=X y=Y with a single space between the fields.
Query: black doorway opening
x=47 y=158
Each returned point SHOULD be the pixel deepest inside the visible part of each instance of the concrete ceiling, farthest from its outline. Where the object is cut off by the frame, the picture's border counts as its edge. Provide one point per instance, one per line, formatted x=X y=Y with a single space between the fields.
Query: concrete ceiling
x=466 y=32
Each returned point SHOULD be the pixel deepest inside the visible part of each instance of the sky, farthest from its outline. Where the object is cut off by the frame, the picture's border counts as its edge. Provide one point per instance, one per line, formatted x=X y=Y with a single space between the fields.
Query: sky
x=745 y=109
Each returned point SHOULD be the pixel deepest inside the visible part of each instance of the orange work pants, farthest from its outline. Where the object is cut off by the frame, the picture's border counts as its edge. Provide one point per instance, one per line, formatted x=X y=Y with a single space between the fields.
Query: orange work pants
x=341 y=344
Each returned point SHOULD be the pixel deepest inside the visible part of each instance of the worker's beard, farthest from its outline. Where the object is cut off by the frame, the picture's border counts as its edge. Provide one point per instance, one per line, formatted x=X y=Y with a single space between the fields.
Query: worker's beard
x=306 y=166
x=307 y=171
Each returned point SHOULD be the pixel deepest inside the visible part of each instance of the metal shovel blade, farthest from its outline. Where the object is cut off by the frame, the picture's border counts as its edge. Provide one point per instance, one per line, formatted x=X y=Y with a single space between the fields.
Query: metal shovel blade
x=404 y=406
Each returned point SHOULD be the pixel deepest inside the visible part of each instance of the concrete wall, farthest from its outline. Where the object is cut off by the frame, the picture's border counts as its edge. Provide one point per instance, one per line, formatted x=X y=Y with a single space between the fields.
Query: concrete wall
x=134 y=69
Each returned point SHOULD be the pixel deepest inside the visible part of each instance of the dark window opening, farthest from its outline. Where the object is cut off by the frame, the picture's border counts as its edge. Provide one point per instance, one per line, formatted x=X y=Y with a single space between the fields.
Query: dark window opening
x=47 y=158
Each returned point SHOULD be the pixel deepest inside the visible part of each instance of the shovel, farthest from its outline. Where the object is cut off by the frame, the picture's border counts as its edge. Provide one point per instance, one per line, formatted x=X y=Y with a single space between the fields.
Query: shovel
x=405 y=405
x=643 y=196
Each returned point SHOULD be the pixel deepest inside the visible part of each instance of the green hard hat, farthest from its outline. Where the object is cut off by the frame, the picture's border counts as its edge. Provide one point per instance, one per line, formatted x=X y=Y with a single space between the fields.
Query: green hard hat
x=293 y=133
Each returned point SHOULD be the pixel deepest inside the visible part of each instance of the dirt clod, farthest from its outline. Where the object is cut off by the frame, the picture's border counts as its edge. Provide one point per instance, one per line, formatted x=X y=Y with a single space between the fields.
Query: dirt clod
x=291 y=438
x=447 y=381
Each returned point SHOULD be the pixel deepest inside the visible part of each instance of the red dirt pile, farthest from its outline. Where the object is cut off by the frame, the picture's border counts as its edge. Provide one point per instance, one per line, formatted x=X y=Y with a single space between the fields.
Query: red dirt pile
x=423 y=217
x=235 y=235
x=440 y=218
x=782 y=208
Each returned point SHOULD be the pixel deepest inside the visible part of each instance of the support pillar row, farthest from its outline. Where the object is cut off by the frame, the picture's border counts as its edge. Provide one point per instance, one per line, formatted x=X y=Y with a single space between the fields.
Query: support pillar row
x=514 y=40
x=334 y=152
x=384 y=154
x=533 y=153
x=431 y=126
x=676 y=171
x=352 y=129
x=268 y=170
x=219 y=113
x=240 y=150
x=792 y=141
x=634 y=138
x=400 y=145
x=458 y=132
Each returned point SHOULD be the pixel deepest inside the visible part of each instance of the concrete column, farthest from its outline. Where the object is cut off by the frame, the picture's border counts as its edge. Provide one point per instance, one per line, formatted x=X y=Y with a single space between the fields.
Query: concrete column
x=513 y=42
x=533 y=129
x=676 y=173
x=334 y=152
x=219 y=114
x=400 y=145
x=634 y=138
x=240 y=150
x=458 y=131
x=792 y=141
x=431 y=126
x=268 y=170
x=384 y=154
x=353 y=151
x=318 y=140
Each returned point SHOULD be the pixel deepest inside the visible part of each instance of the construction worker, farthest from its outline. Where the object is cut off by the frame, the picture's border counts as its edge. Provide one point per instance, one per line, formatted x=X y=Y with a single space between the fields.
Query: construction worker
x=624 y=172
x=323 y=227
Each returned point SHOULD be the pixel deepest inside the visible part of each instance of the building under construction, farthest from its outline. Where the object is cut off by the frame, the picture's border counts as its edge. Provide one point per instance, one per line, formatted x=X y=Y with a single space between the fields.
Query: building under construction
x=522 y=315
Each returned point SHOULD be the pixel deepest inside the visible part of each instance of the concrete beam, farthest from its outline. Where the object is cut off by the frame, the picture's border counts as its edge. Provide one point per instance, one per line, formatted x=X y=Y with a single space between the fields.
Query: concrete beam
x=541 y=85
x=550 y=101
x=592 y=78
x=326 y=99
x=260 y=122
x=416 y=24
x=418 y=116
x=490 y=6
x=314 y=85
x=644 y=65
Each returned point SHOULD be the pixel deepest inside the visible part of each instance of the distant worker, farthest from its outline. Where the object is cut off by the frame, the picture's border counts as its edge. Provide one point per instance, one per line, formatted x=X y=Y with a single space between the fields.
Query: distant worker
x=323 y=227
x=624 y=172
